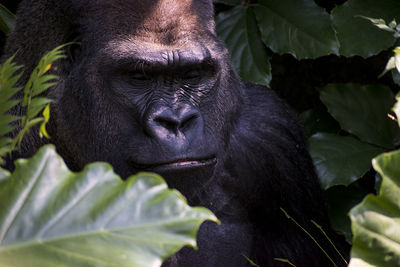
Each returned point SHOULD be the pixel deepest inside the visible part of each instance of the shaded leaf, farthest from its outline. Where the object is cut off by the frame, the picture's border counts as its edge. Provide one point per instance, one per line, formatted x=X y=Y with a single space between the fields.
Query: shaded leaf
x=318 y=120
x=340 y=160
x=362 y=111
x=50 y=216
x=340 y=200
x=376 y=221
x=7 y=19
x=358 y=36
x=238 y=29
x=300 y=28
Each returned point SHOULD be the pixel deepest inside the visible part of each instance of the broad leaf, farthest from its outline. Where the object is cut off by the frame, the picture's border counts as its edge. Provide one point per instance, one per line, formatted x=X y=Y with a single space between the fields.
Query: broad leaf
x=238 y=29
x=376 y=221
x=358 y=36
x=340 y=160
x=363 y=111
x=50 y=216
x=340 y=200
x=299 y=27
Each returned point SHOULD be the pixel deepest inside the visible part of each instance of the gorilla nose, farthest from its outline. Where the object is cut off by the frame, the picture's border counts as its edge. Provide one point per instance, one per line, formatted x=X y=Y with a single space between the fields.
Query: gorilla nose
x=166 y=123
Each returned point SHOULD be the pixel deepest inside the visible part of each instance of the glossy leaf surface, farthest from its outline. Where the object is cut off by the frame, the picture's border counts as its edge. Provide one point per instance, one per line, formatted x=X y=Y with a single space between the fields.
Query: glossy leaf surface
x=357 y=35
x=238 y=29
x=340 y=160
x=363 y=111
x=299 y=27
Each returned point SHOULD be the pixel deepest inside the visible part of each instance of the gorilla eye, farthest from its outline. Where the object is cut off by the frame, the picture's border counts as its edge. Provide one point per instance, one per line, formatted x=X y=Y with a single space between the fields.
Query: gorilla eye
x=192 y=74
x=141 y=76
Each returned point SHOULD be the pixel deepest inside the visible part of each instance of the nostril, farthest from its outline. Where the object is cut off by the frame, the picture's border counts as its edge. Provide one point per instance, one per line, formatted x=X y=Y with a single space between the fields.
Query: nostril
x=168 y=123
x=188 y=120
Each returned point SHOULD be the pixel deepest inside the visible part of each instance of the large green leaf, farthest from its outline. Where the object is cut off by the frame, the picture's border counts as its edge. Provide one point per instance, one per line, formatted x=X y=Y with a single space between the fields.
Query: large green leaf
x=376 y=221
x=340 y=160
x=50 y=216
x=299 y=27
x=238 y=29
x=362 y=111
x=358 y=36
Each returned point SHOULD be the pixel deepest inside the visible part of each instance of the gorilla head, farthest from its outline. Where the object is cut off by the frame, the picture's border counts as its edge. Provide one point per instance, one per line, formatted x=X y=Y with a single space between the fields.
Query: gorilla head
x=148 y=86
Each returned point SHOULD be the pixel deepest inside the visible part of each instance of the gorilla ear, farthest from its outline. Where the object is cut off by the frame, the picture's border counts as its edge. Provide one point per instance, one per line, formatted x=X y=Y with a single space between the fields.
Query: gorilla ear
x=73 y=51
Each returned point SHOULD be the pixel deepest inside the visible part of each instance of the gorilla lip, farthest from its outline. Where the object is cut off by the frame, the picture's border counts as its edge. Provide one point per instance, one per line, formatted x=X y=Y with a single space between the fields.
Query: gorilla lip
x=184 y=164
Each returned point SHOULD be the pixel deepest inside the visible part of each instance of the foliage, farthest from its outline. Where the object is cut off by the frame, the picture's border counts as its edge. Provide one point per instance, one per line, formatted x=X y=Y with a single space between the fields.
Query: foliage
x=32 y=102
x=353 y=123
x=300 y=28
x=375 y=222
x=139 y=222
x=8 y=79
x=7 y=19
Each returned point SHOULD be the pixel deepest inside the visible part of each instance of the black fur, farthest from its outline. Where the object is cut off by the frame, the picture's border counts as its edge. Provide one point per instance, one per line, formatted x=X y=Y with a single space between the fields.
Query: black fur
x=135 y=94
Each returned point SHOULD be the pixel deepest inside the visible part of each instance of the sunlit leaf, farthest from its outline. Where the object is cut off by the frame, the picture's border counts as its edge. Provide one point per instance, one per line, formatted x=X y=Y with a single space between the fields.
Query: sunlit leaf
x=50 y=216
x=376 y=221
x=46 y=117
x=396 y=108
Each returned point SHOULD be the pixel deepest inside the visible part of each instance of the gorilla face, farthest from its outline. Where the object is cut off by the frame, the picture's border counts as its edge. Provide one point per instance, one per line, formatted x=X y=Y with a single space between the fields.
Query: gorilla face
x=145 y=90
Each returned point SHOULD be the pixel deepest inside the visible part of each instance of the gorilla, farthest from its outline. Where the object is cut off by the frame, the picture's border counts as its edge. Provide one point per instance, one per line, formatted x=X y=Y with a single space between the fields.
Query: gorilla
x=148 y=86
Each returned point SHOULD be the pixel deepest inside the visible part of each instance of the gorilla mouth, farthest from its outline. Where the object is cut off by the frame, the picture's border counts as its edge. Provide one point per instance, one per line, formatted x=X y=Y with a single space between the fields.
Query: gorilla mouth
x=178 y=165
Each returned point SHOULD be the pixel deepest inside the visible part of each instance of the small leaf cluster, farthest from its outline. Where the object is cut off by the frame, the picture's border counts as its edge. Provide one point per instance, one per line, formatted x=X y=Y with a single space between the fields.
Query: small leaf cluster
x=32 y=103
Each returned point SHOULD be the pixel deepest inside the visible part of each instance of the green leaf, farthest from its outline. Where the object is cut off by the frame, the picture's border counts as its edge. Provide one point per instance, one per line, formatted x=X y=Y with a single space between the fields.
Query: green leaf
x=318 y=120
x=300 y=28
x=3 y=175
x=396 y=108
x=358 y=36
x=340 y=160
x=7 y=19
x=46 y=117
x=8 y=105
x=376 y=221
x=37 y=104
x=238 y=29
x=340 y=200
x=362 y=111
x=50 y=216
